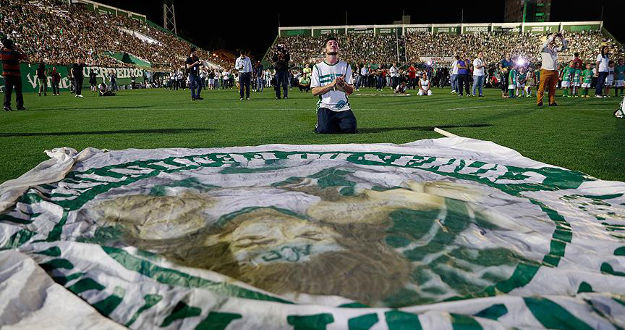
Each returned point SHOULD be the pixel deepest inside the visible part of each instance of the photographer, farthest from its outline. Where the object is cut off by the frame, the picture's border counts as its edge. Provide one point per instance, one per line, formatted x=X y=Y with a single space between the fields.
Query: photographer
x=549 y=68
x=281 y=64
x=192 y=65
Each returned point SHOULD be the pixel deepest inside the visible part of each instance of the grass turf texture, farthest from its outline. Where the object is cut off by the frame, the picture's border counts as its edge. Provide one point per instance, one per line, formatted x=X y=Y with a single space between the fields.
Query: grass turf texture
x=580 y=134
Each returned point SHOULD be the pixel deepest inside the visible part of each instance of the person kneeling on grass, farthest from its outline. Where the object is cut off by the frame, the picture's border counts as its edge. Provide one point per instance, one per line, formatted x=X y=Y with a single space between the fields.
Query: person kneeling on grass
x=424 y=85
x=401 y=88
x=103 y=90
x=332 y=81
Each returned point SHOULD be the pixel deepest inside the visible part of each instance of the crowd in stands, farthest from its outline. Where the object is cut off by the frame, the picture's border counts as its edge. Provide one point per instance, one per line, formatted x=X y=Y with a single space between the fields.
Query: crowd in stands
x=56 y=32
x=384 y=49
x=356 y=48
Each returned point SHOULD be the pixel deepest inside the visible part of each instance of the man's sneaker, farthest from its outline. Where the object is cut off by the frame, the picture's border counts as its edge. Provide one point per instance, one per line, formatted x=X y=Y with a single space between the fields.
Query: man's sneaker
x=248 y=98
x=619 y=113
x=240 y=99
x=598 y=96
x=21 y=108
x=286 y=97
x=78 y=95
x=199 y=98
x=539 y=104
x=553 y=105
x=8 y=109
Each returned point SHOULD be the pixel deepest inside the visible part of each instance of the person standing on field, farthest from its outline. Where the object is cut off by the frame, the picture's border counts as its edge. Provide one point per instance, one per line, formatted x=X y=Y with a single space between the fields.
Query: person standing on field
x=11 y=57
x=549 y=68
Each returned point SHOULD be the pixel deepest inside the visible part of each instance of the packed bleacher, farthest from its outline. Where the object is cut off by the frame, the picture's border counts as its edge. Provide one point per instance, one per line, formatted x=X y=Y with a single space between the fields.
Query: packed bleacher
x=386 y=49
x=55 y=32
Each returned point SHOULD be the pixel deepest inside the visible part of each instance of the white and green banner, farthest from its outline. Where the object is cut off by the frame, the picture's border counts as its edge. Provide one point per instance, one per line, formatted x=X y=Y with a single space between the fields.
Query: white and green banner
x=435 y=234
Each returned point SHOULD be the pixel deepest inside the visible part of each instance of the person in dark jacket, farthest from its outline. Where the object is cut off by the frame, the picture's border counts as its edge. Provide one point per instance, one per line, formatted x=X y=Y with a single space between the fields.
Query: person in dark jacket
x=42 y=77
x=10 y=58
x=281 y=64
x=56 y=79
x=78 y=75
x=92 y=81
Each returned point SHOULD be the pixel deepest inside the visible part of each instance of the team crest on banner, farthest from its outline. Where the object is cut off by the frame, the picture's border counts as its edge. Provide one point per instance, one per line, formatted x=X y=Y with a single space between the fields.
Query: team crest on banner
x=432 y=234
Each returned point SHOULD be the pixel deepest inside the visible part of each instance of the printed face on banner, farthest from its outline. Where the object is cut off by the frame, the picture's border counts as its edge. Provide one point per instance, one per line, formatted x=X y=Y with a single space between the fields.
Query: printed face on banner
x=382 y=241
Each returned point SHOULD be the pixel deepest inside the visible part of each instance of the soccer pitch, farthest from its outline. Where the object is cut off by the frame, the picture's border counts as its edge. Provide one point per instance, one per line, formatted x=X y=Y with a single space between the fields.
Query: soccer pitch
x=580 y=134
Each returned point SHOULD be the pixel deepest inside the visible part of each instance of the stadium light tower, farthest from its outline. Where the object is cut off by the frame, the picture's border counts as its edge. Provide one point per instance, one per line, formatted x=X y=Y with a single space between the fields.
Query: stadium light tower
x=169 y=16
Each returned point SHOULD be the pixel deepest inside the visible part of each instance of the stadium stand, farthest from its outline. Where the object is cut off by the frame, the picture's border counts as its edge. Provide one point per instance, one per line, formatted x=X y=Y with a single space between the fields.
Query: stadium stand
x=386 y=49
x=68 y=32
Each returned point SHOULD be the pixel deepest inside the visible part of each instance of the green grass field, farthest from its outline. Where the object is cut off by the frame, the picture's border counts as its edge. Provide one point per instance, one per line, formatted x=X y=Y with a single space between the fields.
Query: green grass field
x=579 y=134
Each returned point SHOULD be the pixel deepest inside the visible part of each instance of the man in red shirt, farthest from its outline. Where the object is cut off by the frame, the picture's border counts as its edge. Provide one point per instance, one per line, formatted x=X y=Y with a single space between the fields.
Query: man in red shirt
x=11 y=71
x=412 y=76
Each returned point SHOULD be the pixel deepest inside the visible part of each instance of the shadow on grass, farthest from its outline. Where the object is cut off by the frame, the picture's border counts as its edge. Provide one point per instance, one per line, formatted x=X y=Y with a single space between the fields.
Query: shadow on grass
x=95 y=107
x=415 y=128
x=129 y=131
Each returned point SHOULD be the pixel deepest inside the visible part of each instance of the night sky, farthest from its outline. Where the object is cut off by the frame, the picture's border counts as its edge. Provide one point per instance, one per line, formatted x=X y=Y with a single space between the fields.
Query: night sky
x=253 y=27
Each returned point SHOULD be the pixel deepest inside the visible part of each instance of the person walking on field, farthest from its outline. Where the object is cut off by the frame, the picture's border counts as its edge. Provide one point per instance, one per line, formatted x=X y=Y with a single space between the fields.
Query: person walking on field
x=549 y=68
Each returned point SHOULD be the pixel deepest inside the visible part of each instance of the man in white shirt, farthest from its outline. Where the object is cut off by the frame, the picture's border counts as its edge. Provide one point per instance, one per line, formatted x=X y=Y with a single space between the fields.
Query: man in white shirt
x=478 y=74
x=602 y=70
x=244 y=65
x=454 y=74
x=394 y=75
x=549 y=68
x=364 y=77
x=332 y=82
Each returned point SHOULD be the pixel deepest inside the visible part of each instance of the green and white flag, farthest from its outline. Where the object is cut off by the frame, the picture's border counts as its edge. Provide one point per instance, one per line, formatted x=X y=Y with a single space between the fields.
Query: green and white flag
x=434 y=234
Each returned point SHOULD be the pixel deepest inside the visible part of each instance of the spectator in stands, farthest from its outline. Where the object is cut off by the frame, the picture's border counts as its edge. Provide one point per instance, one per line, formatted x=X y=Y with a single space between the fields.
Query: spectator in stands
x=192 y=65
x=11 y=58
x=549 y=68
x=42 y=77
x=281 y=64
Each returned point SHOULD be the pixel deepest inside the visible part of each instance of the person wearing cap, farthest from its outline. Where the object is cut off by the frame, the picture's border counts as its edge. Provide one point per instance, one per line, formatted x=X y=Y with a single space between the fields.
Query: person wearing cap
x=10 y=58
x=331 y=81
x=549 y=68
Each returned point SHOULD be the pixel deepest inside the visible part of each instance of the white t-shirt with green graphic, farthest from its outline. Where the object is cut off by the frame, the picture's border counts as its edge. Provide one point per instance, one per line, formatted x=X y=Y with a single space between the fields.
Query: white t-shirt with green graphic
x=323 y=74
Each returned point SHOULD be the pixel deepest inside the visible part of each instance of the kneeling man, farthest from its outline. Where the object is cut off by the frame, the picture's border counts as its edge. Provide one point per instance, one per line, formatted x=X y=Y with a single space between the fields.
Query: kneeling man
x=332 y=81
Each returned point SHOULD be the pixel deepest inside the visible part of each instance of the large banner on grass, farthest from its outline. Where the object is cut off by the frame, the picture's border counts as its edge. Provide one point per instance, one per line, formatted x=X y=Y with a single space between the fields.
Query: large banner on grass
x=30 y=83
x=434 y=234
